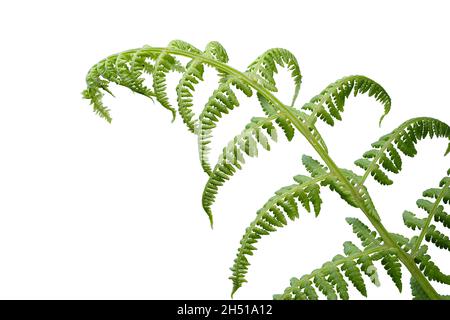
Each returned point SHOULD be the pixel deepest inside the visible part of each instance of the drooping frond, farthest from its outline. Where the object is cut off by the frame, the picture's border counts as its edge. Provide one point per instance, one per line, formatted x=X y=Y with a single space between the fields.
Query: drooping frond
x=224 y=100
x=125 y=69
x=258 y=132
x=329 y=104
x=246 y=143
x=191 y=77
x=385 y=155
x=275 y=213
x=262 y=70
x=164 y=64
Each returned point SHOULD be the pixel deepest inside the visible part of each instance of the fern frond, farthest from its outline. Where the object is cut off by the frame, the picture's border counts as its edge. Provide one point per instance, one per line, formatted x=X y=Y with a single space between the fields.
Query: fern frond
x=429 y=268
x=246 y=143
x=385 y=155
x=262 y=70
x=222 y=101
x=333 y=277
x=329 y=104
x=432 y=205
x=257 y=133
x=275 y=213
x=124 y=69
x=192 y=76
x=164 y=64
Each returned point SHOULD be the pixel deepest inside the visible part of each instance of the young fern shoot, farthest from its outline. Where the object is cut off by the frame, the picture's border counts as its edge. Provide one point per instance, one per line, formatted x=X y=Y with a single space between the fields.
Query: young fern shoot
x=383 y=159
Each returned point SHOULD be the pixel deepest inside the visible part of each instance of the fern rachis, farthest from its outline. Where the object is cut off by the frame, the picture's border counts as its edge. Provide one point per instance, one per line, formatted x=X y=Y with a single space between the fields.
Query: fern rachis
x=126 y=69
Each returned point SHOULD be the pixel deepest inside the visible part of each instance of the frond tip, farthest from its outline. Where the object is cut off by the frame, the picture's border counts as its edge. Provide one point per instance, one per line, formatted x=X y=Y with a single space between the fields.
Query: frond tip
x=329 y=104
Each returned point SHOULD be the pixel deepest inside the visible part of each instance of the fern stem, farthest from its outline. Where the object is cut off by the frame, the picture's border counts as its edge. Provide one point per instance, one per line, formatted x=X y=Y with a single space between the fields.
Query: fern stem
x=303 y=128
x=430 y=218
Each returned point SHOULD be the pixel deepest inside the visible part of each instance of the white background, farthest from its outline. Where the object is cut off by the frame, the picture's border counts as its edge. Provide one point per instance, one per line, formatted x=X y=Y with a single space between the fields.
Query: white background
x=92 y=210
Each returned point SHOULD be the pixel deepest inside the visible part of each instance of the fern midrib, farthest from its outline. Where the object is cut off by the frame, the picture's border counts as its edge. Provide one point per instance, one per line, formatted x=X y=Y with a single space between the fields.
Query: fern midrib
x=403 y=256
x=430 y=218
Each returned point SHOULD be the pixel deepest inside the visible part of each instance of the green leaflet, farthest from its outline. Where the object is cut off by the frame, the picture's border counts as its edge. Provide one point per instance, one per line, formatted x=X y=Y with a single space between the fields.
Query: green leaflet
x=257 y=133
x=385 y=155
x=262 y=70
x=275 y=213
x=192 y=76
x=125 y=69
x=417 y=291
x=222 y=101
x=329 y=104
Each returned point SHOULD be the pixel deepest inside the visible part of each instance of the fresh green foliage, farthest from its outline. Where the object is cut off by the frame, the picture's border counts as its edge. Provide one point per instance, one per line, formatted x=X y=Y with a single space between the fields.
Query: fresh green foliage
x=357 y=262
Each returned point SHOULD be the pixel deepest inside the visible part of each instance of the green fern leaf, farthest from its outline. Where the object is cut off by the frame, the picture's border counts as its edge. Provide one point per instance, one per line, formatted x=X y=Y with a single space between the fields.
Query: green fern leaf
x=221 y=102
x=257 y=133
x=368 y=237
x=390 y=262
x=280 y=119
x=262 y=70
x=385 y=155
x=365 y=261
x=429 y=268
x=329 y=104
x=275 y=214
x=353 y=273
x=124 y=69
x=192 y=76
